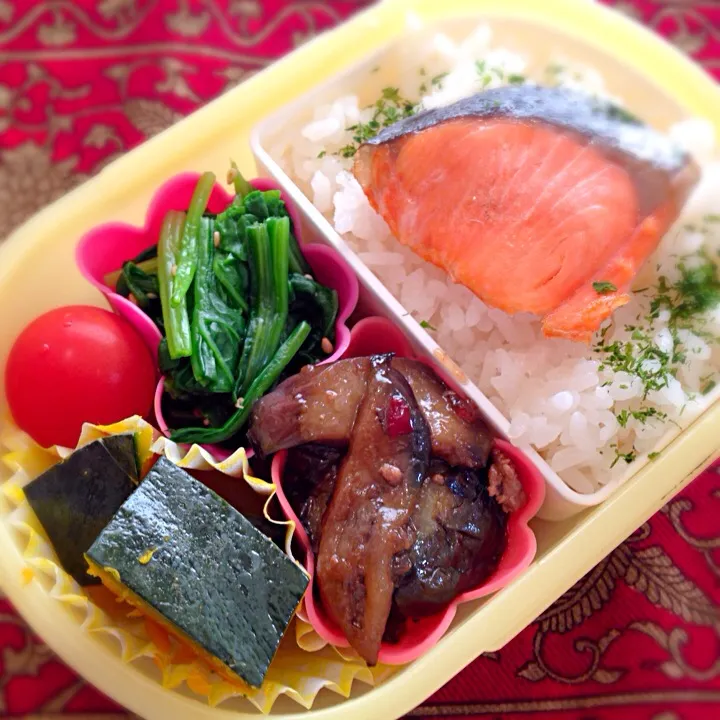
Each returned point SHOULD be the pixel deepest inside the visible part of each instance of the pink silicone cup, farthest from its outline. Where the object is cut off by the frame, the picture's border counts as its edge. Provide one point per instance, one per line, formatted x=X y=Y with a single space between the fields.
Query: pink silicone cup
x=103 y=250
x=372 y=336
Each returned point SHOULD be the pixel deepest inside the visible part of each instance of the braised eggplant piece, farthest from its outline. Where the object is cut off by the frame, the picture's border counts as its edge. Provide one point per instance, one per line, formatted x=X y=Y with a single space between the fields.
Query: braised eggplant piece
x=367 y=523
x=318 y=405
x=459 y=436
x=459 y=539
x=396 y=535
x=309 y=482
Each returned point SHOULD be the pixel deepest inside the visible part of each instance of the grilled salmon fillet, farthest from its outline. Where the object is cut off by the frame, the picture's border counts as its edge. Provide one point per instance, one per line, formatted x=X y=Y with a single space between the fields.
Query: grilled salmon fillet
x=540 y=200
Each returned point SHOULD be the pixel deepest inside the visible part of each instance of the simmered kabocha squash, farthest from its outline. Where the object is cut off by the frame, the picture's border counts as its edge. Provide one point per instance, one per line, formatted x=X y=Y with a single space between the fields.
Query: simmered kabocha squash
x=75 y=499
x=183 y=555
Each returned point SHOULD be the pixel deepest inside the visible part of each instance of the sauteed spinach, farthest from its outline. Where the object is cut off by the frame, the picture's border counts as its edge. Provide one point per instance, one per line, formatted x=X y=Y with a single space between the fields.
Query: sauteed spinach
x=237 y=304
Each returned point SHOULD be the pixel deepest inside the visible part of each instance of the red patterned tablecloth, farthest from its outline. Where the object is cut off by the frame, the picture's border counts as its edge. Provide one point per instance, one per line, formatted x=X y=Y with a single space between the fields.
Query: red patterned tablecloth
x=83 y=81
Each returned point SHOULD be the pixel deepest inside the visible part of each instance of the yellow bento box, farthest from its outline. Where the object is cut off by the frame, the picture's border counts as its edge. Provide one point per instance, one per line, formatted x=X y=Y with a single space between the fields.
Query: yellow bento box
x=38 y=272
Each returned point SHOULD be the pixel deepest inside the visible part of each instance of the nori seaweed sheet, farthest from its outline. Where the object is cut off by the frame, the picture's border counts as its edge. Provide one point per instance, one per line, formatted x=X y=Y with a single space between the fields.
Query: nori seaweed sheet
x=75 y=499
x=211 y=574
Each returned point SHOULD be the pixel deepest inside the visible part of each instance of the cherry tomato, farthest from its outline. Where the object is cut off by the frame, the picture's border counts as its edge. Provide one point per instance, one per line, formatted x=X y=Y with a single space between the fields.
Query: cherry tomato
x=73 y=365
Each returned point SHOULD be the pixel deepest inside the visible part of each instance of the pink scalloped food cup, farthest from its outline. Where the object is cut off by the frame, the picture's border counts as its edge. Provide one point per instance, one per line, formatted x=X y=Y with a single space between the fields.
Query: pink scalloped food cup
x=375 y=336
x=105 y=248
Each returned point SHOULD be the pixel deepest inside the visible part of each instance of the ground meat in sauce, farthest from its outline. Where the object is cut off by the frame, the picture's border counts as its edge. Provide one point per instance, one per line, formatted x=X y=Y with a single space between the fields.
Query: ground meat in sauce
x=504 y=484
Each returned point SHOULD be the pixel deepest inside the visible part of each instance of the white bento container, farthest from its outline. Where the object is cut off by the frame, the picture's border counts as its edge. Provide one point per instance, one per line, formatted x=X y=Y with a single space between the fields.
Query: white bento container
x=388 y=65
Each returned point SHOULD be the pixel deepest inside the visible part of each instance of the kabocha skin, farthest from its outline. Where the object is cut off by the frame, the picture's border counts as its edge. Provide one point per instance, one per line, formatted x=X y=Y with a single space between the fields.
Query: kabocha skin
x=75 y=499
x=185 y=554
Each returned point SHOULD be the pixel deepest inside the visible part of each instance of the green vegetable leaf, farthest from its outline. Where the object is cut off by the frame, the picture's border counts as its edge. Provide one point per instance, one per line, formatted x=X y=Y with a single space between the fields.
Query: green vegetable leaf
x=242 y=186
x=232 y=277
x=425 y=324
x=603 y=287
x=217 y=328
x=248 y=323
x=437 y=80
x=175 y=317
x=262 y=383
x=256 y=204
x=269 y=251
x=141 y=282
x=186 y=259
x=232 y=224
x=317 y=305
x=274 y=203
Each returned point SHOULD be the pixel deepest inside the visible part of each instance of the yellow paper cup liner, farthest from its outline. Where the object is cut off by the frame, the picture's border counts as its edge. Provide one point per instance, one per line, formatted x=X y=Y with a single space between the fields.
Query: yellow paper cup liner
x=303 y=665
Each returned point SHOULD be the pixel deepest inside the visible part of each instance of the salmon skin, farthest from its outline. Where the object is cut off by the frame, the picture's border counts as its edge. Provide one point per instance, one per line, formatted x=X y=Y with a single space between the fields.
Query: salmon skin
x=540 y=200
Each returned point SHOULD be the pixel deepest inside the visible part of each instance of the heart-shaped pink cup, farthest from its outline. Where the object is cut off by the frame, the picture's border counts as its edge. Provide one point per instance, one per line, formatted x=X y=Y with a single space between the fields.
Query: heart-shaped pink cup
x=377 y=335
x=105 y=248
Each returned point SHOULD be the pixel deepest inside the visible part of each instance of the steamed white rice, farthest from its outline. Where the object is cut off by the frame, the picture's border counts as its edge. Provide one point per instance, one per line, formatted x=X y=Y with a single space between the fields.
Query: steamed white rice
x=556 y=394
